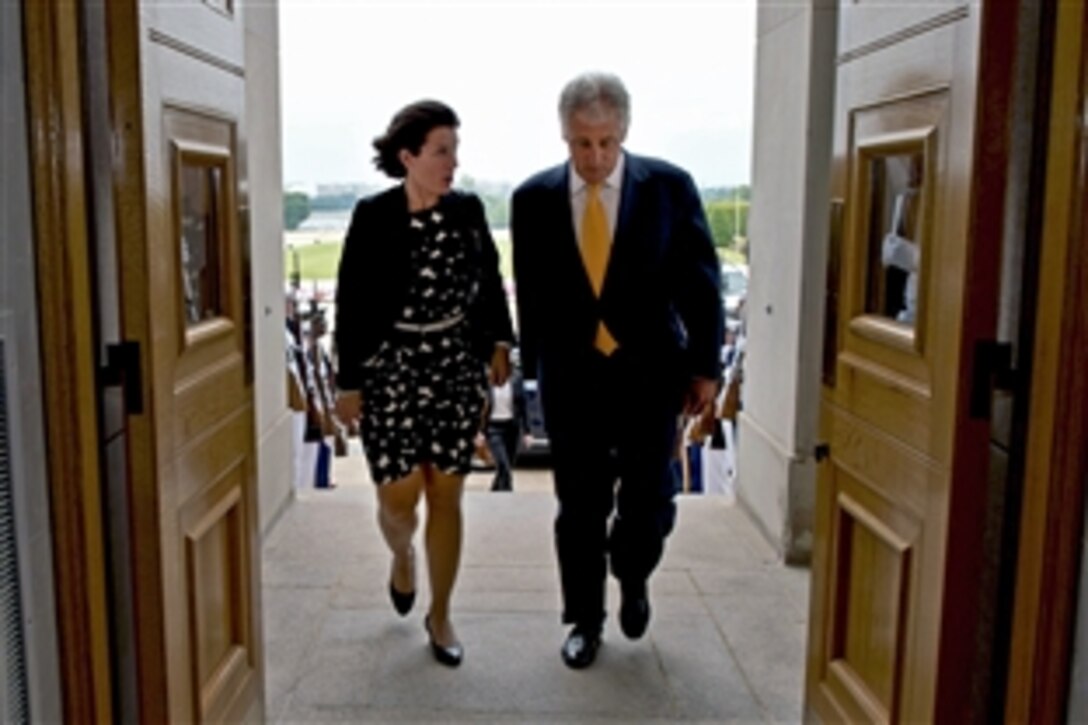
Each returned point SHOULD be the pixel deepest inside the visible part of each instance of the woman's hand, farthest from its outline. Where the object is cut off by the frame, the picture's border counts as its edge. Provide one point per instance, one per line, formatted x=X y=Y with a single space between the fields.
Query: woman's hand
x=700 y=396
x=500 y=365
x=349 y=406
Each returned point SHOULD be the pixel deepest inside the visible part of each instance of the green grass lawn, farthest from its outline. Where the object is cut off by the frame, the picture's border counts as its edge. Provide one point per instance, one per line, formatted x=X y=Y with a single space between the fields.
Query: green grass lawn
x=506 y=254
x=730 y=256
x=315 y=261
x=319 y=260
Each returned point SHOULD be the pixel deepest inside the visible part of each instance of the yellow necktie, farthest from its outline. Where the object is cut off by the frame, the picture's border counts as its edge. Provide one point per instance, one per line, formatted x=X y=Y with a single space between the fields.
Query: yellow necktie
x=596 y=246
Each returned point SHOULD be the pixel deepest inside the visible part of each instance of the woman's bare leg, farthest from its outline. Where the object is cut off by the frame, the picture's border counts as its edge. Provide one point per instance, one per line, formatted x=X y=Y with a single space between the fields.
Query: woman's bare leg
x=397 y=503
x=443 y=541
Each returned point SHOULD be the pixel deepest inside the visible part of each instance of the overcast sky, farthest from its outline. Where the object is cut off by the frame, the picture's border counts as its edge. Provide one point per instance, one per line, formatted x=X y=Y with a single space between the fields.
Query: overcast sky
x=348 y=65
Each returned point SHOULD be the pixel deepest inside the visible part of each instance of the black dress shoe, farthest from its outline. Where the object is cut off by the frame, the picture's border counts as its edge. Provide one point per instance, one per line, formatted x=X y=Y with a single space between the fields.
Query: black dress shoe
x=402 y=601
x=634 y=610
x=580 y=648
x=451 y=655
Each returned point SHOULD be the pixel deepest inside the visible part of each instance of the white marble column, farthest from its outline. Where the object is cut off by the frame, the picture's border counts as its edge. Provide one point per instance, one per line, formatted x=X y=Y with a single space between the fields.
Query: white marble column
x=787 y=237
x=275 y=426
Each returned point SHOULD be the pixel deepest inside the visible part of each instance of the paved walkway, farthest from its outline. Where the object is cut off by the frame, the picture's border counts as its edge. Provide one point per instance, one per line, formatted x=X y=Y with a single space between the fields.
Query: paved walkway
x=726 y=642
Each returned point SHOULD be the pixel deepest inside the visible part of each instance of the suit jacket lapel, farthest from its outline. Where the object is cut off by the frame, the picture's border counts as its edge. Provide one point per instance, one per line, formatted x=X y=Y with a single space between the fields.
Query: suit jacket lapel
x=621 y=238
x=566 y=236
x=632 y=172
x=564 y=212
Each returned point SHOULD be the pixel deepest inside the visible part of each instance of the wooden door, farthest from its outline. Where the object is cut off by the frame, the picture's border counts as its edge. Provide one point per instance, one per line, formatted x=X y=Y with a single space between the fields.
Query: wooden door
x=177 y=73
x=918 y=187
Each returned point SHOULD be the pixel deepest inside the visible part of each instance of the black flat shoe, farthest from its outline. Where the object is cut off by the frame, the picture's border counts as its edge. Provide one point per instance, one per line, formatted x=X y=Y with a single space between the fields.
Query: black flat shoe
x=580 y=648
x=402 y=602
x=450 y=656
x=634 y=610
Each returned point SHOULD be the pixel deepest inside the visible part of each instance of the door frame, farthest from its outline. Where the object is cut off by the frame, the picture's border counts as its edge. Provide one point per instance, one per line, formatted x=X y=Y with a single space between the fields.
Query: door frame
x=1051 y=527
x=1056 y=468
x=68 y=361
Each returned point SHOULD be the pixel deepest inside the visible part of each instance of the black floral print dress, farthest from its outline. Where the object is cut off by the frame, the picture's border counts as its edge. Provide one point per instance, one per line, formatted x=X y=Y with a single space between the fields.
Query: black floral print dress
x=423 y=390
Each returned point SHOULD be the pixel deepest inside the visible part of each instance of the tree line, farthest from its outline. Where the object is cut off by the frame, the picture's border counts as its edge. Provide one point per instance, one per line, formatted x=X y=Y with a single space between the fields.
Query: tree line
x=726 y=208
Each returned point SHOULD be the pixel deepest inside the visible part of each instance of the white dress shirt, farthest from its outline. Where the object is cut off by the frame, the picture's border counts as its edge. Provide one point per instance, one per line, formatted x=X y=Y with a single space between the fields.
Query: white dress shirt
x=610 y=197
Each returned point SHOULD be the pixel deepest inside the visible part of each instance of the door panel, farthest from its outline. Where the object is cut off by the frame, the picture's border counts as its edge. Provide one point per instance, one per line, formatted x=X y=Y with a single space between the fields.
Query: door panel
x=206 y=29
x=185 y=297
x=879 y=22
x=884 y=645
x=217 y=559
x=885 y=400
x=884 y=336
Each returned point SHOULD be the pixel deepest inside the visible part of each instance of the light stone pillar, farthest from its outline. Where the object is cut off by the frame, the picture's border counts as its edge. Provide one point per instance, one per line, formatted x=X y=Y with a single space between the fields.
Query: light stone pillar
x=794 y=100
x=275 y=437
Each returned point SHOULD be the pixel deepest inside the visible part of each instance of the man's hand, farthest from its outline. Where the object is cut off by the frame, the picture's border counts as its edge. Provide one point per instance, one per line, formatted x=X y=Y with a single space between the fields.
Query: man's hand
x=349 y=406
x=500 y=365
x=700 y=396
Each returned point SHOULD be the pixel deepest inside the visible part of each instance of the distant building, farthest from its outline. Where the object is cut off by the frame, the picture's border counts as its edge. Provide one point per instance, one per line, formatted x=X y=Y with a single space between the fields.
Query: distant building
x=353 y=188
x=302 y=187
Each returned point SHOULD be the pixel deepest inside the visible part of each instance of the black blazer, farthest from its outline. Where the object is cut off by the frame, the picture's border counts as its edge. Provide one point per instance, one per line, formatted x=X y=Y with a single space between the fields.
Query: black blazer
x=375 y=271
x=661 y=298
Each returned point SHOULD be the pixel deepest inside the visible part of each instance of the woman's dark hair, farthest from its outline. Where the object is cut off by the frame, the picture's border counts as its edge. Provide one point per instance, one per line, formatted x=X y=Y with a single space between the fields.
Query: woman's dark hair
x=408 y=130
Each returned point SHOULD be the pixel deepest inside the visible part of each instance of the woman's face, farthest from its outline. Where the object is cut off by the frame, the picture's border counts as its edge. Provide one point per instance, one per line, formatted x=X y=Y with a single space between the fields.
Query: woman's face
x=431 y=170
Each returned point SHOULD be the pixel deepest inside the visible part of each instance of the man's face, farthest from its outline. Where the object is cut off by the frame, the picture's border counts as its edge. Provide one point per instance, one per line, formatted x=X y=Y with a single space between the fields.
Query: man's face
x=595 y=142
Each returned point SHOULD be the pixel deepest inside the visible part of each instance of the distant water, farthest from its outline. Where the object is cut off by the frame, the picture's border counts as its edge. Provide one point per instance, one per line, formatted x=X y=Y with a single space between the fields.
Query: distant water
x=322 y=221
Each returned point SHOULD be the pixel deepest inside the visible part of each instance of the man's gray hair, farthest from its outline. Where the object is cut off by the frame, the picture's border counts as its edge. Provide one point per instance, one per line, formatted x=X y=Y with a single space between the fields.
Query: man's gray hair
x=595 y=94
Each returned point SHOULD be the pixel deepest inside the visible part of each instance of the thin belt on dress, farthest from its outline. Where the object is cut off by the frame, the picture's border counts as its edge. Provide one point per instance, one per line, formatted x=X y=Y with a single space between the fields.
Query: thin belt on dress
x=429 y=326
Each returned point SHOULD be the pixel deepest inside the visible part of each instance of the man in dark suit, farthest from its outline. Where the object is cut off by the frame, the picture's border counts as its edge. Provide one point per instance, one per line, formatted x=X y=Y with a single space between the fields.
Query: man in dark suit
x=620 y=318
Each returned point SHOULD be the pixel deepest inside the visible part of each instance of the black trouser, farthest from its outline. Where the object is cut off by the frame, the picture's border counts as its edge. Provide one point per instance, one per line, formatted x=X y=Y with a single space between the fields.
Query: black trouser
x=502 y=439
x=612 y=422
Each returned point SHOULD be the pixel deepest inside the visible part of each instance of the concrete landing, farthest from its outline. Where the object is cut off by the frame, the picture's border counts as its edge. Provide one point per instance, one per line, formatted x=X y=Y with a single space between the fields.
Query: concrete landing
x=726 y=643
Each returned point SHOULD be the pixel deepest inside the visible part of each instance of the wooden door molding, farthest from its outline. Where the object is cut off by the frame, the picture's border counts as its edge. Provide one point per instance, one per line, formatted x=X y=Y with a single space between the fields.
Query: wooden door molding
x=1056 y=472
x=65 y=305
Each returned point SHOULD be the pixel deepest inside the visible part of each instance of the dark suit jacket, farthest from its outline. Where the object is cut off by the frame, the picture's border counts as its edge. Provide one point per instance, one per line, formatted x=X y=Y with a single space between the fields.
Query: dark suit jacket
x=375 y=271
x=661 y=298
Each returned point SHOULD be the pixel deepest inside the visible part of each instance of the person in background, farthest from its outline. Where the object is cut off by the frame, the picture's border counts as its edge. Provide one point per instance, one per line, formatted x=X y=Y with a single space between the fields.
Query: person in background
x=325 y=390
x=420 y=320
x=900 y=250
x=316 y=412
x=729 y=347
x=298 y=373
x=506 y=414
x=620 y=323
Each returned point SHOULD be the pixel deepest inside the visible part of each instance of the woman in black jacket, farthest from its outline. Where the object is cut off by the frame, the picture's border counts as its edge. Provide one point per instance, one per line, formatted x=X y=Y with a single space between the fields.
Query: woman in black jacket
x=420 y=319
